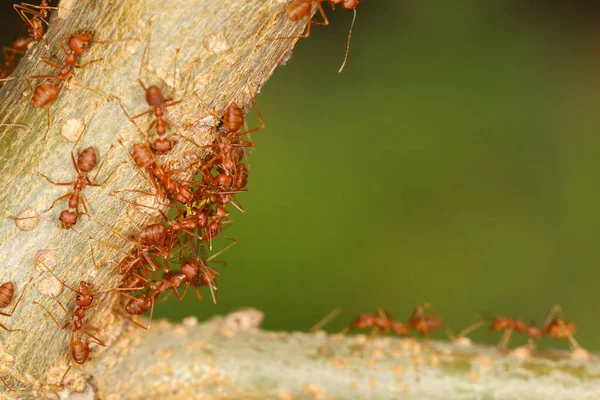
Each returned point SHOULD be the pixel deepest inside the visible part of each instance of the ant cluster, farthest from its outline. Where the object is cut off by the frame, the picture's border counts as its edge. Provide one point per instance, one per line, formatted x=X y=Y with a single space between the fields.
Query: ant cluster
x=168 y=257
x=425 y=320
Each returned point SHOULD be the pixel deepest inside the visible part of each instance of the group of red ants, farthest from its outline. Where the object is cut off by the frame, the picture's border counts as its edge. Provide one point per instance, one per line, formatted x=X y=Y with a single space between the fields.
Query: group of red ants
x=201 y=203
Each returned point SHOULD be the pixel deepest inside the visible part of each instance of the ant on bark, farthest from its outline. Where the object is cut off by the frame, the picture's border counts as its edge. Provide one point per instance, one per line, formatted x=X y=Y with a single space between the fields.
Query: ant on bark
x=79 y=349
x=33 y=16
x=46 y=93
x=85 y=163
x=158 y=105
x=558 y=328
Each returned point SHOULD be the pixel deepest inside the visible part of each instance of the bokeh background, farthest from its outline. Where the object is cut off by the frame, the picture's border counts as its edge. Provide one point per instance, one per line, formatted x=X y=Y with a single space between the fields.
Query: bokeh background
x=454 y=161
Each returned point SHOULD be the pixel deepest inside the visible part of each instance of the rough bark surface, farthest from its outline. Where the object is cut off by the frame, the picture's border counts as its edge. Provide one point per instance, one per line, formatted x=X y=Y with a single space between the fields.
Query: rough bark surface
x=222 y=52
x=228 y=357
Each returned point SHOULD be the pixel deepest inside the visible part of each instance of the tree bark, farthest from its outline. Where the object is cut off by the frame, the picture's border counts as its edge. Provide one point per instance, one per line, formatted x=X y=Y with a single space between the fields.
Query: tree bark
x=223 y=52
x=230 y=358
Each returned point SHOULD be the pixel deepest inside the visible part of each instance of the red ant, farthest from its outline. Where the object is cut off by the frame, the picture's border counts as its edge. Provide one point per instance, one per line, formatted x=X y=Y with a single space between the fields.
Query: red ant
x=11 y=53
x=558 y=328
x=35 y=28
x=424 y=319
x=84 y=164
x=194 y=272
x=45 y=94
x=302 y=9
x=79 y=348
x=158 y=104
x=144 y=158
x=7 y=292
x=381 y=323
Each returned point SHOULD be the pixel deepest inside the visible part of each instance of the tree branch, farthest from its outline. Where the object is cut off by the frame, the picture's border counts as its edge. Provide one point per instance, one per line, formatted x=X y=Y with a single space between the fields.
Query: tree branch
x=229 y=358
x=223 y=51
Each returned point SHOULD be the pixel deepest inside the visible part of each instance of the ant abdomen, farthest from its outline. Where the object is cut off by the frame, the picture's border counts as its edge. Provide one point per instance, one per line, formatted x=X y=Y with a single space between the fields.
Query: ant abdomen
x=153 y=234
x=7 y=292
x=87 y=159
x=44 y=94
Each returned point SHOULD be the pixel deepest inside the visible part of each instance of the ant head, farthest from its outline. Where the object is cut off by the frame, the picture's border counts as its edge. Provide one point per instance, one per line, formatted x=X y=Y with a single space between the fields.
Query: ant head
x=154 y=96
x=80 y=42
x=221 y=212
x=202 y=219
x=162 y=145
x=68 y=218
x=363 y=321
x=223 y=181
x=214 y=229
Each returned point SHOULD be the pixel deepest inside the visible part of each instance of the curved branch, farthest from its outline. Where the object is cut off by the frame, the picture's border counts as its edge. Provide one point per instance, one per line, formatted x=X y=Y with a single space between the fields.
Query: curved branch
x=222 y=52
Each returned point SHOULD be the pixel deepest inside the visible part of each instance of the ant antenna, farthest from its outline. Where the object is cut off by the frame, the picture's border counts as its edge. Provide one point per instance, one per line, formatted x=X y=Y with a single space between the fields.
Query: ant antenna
x=348 y=45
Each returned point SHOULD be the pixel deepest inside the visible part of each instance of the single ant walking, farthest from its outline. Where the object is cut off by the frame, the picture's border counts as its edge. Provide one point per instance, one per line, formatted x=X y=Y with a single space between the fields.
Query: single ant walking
x=158 y=105
x=85 y=163
x=7 y=292
x=558 y=328
x=79 y=349
x=33 y=16
x=381 y=322
x=46 y=93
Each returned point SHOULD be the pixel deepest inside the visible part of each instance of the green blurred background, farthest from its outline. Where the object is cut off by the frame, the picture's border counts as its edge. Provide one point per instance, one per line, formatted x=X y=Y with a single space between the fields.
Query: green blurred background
x=454 y=161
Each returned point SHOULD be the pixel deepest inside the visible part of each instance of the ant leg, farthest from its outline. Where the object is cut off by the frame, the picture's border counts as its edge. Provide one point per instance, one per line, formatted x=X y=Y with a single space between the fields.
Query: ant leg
x=142 y=114
x=7 y=385
x=133 y=203
x=326 y=319
x=96 y=340
x=503 y=344
x=107 y=178
x=87 y=63
x=556 y=310
x=235 y=241
x=57 y=183
x=50 y=63
x=29 y=78
x=17 y=125
x=52 y=316
x=9 y=314
x=55 y=201
x=475 y=323
x=10 y=330
x=67 y=371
